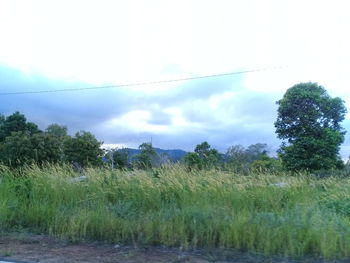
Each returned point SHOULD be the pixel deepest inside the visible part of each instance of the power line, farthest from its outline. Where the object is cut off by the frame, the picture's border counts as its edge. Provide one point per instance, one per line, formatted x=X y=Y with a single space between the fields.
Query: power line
x=139 y=83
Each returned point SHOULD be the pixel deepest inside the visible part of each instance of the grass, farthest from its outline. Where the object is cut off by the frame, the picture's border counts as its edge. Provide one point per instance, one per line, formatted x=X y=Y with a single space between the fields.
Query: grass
x=304 y=216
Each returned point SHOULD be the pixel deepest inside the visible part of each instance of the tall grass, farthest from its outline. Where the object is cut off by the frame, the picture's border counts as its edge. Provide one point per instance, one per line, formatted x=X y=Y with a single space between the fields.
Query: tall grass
x=174 y=207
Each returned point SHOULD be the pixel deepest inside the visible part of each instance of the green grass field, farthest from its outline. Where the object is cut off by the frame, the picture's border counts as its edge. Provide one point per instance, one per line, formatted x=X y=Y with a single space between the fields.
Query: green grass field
x=271 y=214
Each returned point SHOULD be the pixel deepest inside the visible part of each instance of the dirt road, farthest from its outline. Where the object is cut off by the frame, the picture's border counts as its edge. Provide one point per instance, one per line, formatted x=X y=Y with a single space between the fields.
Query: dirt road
x=45 y=249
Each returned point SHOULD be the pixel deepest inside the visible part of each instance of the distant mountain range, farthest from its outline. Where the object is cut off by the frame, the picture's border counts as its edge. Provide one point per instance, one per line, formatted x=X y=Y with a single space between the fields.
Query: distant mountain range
x=174 y=155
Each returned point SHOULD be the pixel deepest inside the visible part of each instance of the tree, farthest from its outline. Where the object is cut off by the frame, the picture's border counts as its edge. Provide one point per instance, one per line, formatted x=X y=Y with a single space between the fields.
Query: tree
x=241 y=159
x=60 y=134
x=2 y=131
x=236 y=154
x=209 y=156
x=256 y=151
x=147 y=157
x=83 y=149
x=20 y=148
x=266 y=164
x=22 y=142
x=16 y=150
x=57 y=130
x=203 y=157
x=46 y=148
x=16 y=122
x=193 y=161
x=118 y=157
x=309 y=123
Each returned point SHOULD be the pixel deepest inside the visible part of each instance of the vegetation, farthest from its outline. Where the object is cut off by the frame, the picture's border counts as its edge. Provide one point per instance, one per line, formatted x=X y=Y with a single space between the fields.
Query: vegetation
x=22 y=143
x=308 y=122
x=309 y=119
x=203 y=157
x=270 y=214
x=120 y=158
x=147 y=157
x=254 y=157
x=84 y=149
x=243 y=199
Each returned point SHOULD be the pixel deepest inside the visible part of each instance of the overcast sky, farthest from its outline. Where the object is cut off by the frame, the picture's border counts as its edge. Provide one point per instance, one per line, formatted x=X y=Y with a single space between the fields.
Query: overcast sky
x=62 y=44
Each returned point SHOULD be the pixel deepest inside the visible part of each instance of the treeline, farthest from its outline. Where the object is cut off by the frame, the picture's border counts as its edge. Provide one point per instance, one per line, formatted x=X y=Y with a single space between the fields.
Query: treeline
x=204 y=157
x=237 y=158
x=308 y=122
x=309 y=125
x=23 y=143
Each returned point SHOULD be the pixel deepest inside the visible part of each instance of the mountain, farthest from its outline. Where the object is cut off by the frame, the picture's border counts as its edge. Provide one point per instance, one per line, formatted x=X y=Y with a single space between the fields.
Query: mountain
x=174 y=155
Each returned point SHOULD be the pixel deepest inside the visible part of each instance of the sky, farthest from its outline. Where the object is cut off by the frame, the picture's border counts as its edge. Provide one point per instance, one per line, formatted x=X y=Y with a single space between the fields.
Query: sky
x=66 y=44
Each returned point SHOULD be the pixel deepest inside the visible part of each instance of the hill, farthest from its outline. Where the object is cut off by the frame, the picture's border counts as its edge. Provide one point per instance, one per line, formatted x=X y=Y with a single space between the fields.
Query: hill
x=174 y=155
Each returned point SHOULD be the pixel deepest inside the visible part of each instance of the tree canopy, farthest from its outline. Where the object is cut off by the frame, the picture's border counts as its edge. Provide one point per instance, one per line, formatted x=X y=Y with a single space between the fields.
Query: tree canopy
x=84 y=149
x=147 y=157
x=309 y=122
x=22 y=142
x=203 y=157
x=16 y=122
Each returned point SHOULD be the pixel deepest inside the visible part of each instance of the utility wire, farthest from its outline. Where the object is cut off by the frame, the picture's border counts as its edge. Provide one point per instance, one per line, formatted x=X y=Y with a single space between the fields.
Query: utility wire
x=138 y=83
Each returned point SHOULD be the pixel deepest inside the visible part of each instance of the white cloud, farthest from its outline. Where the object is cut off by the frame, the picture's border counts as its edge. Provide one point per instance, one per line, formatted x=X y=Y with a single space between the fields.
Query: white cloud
x=137 y=121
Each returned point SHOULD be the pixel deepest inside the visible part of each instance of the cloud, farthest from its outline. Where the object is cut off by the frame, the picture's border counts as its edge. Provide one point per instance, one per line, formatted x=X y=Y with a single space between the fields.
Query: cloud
x=136 y=41
x=79 y=110
x=220 y=111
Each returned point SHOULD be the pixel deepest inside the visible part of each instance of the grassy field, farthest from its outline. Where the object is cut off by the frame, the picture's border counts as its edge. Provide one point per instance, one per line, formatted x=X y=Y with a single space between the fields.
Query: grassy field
x=265 y=213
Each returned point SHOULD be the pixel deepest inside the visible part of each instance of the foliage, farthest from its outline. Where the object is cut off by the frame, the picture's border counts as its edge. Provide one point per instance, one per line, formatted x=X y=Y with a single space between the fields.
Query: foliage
x=20 y=148
x=242 y=159
x=118 y=158
x=309 y=121
x=203 y=157
x=239 y=154
x=84 y=149
x=16 y=122
x=193 y=161
x=147 y=157
x=266 y=164
x=17 y=149
x=47 y=148
x=59 y=131
x=22 y=143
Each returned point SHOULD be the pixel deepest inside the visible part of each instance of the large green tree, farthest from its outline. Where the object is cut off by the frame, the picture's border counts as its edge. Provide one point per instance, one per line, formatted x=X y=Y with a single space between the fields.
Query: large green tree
x=203 y=157
x=16 y=122
x=20 y=148
x=16 y=149
x=21 y=143
x=83 y=149
x=309 y=122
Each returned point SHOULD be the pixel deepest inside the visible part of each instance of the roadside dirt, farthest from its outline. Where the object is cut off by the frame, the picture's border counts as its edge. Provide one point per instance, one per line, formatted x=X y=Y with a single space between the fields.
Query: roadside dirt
x=45 y=249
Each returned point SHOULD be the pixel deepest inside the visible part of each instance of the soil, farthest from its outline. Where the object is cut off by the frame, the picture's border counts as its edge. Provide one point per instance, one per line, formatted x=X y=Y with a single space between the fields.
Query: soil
x=45 y=249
